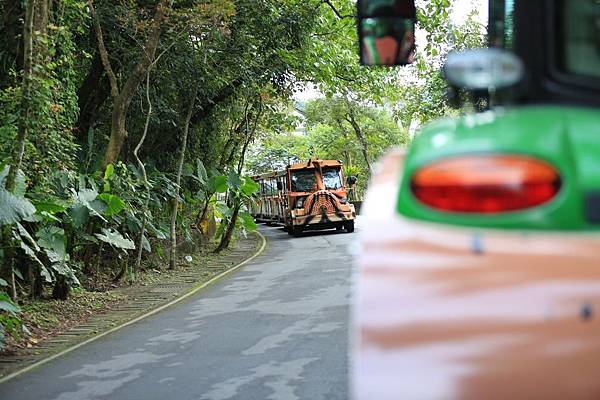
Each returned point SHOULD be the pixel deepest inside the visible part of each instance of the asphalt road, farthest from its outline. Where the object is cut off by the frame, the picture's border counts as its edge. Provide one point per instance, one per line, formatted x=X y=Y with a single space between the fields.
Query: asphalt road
x=276 y=329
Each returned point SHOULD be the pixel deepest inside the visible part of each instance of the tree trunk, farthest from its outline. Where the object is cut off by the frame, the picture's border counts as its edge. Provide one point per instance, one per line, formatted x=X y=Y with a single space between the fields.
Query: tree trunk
x=122 y=98
x=117 y=131
x=347 y=153
x=92 y=93
x=186 y=128
x=23 y=129
x=61 y=289
x=138 y=260
x=37 y=285
x=226 y=238
x=360 y=136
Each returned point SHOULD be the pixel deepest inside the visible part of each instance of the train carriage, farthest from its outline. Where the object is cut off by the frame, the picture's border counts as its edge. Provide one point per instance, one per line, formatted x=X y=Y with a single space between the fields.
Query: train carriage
x=306 y=196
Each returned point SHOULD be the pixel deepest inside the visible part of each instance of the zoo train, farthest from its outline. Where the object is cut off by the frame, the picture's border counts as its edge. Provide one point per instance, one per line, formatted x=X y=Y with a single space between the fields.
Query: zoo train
x=306 y=196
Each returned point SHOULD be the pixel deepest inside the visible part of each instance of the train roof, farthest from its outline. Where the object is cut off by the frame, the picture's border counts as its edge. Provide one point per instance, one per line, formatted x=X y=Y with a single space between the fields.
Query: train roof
x=310 y=164
x=274 y=174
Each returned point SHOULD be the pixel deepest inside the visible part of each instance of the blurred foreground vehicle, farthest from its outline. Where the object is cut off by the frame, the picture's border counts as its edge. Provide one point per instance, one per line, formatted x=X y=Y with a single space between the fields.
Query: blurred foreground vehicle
x=479 y=276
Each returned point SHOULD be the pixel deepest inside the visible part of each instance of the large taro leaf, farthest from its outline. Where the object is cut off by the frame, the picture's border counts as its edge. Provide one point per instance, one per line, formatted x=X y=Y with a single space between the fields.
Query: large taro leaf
x=24 y=235
x=51 y=206
x=114 y=204
x=247 y=221
x=20 y=186
x=201 y=172
x=79 y=214
x=217 y=184
x=61 y=267
x=53 y=238
x=86 y=198
x=222 y=211
x=14 y=208
x=249 y=187
x=159 y=233
x=31 y=253
x=234 y=180
x=115 y=239
x=146 y=244
x=86 y=195
x=7 y=305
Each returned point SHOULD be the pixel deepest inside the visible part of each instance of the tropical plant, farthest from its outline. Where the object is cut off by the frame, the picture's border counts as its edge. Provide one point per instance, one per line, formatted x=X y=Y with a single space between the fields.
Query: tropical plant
x=10 y=323
x=233 y=209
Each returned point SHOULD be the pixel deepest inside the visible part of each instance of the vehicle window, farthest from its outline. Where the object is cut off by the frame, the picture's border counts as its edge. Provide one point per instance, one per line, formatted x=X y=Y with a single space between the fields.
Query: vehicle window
x=332 y=178
x=270 y=187
x=501 y=26
x=580 y=37
x=304 y=181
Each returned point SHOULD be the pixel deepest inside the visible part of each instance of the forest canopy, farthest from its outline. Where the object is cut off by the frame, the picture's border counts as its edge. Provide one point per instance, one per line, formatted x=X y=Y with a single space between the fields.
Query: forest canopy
x=126 y=125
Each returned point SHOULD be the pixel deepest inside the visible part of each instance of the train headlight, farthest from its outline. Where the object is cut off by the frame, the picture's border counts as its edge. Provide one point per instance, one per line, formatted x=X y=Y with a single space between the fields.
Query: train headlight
x=300 y=202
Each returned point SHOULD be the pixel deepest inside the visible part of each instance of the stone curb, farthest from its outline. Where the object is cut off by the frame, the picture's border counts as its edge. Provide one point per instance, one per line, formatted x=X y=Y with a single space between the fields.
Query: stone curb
x=148 y=301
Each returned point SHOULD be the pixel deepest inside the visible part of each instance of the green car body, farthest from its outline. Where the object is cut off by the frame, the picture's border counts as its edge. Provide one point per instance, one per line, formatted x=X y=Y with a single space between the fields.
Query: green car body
x=564 y=136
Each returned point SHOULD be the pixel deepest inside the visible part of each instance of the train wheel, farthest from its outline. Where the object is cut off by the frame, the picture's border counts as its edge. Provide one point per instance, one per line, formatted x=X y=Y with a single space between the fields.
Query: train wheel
x=296 y=231
x=349 y=226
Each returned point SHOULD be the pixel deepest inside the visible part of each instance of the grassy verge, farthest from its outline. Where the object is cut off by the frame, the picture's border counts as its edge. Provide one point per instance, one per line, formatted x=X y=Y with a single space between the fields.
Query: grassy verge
x=45 y=318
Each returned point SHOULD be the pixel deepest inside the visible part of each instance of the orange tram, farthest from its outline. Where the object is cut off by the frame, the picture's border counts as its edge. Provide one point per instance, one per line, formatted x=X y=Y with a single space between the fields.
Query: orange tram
x=306 y=196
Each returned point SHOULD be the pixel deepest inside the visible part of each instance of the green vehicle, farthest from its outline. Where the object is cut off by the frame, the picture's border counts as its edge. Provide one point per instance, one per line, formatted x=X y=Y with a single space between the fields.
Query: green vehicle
x=543 y=111
x=479 y=276
x=540 y=79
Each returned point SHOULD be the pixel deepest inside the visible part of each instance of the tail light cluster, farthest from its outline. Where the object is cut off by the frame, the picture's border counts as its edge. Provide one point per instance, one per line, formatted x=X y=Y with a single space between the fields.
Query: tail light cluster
x=486 y=184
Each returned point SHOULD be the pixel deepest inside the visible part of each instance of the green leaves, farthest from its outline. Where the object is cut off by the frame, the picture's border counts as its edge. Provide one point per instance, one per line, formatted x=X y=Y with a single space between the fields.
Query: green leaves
x=13 y=209
x=9 y=320
x=234 y=181
x=108 y=173
x=249 y=187
x=247 y=221
x=217 y=184
x=51 y=206
x=114 y=204
x=7 y=305
x=85 y=205
x=20 y=185
x=115 y=239
x=53 y=238
x=201 y=174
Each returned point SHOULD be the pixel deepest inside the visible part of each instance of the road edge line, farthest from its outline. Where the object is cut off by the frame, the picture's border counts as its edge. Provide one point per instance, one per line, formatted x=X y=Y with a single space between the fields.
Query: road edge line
x=140 y=317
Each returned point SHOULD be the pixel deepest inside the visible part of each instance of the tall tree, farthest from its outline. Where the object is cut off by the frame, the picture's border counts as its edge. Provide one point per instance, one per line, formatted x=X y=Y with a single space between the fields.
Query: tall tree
x=122 y=96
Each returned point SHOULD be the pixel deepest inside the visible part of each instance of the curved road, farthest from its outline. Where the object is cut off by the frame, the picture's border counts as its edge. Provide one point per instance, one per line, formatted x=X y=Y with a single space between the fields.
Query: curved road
x=276 y=329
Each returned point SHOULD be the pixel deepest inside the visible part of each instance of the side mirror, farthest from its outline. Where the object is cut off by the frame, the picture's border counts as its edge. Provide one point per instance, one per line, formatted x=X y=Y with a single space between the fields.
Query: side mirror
x=483 y=69
x=351 y=180
x=386 y=30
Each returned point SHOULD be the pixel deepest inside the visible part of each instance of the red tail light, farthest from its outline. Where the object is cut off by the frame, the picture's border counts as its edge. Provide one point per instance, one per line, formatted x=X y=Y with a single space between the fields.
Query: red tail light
x=486 y=184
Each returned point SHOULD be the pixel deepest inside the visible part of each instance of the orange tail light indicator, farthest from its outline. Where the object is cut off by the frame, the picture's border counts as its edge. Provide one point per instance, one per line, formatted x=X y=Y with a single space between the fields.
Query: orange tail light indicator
x=486 y=184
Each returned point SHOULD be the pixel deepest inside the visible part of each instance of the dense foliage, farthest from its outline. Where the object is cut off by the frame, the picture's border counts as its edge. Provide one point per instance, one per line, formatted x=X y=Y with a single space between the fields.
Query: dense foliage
x=125 y=125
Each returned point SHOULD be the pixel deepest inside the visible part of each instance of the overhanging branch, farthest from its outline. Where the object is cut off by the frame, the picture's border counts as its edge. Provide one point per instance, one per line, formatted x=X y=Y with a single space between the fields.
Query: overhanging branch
x=336 y=12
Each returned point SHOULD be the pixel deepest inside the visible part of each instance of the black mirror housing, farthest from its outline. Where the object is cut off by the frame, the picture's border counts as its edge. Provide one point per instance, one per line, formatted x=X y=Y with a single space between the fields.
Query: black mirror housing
x=386 y=30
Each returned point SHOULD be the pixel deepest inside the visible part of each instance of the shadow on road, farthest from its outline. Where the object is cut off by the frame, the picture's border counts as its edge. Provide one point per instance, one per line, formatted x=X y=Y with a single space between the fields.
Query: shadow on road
x=306 y=233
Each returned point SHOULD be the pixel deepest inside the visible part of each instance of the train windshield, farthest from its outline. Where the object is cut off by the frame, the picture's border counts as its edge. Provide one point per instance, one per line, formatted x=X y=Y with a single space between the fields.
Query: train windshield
x=304 y=181
x=332 y=178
